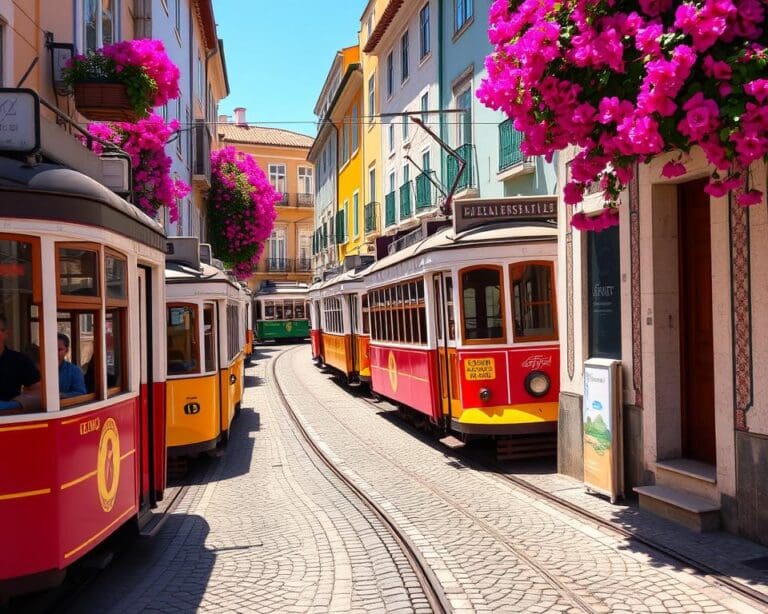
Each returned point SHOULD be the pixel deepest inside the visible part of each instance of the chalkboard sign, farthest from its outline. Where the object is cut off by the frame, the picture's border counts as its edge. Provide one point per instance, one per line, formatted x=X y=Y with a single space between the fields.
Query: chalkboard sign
x=603 y=292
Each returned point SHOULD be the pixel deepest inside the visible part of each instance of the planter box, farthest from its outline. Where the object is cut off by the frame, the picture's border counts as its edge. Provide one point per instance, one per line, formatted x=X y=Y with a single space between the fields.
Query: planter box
x=102 y=101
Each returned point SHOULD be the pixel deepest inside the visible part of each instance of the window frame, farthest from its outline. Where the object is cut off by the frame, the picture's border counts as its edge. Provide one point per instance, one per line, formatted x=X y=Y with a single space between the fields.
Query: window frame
x=390 y=74
x=466 y=16
x=502 y=339
x=425 y=42
x=198 y=331
x=75 y=302
x=405 y=66
x=552 y=302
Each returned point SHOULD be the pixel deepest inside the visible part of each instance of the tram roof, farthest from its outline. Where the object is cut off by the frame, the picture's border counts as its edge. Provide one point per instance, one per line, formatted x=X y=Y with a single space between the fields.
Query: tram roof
x=180 y=272
x=70 y=196
x=492 y=234
x=355 y=275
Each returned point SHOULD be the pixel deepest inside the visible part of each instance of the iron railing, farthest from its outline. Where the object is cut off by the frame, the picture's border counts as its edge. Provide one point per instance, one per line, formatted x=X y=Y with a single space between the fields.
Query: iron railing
x=406 y=209
x=278 y=265
x=305 y=200
x=509 y=146
x=201 y=138
x=371 y=212
x=284 y=199
x=389 y=209
x=424 y=191
x=303 y=264
x=452 y=168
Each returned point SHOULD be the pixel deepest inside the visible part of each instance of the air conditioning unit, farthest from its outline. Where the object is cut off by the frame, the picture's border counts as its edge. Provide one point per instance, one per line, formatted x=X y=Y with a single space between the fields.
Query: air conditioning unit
x=115 y=174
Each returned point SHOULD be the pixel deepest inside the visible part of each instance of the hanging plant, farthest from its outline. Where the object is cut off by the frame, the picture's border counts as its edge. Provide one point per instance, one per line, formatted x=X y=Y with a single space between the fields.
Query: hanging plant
x=127 y=78
x=145 y=141
x=624 y=81
x=241 y=210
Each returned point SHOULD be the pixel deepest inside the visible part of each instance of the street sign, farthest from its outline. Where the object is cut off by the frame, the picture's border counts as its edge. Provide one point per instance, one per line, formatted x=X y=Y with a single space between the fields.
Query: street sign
x=603 y=442
x=472 y=212
x=19 y=121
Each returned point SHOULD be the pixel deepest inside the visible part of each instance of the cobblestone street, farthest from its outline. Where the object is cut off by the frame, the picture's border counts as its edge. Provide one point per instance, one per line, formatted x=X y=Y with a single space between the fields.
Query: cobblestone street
x=270 y=529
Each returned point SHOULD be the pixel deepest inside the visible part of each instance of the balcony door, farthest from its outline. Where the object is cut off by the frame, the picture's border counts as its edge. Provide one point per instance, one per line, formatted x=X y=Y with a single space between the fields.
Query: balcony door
x=277 y=250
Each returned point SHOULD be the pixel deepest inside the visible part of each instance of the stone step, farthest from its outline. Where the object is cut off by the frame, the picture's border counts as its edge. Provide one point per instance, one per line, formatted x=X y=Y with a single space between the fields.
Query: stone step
x=692 y=511
x=694 y=477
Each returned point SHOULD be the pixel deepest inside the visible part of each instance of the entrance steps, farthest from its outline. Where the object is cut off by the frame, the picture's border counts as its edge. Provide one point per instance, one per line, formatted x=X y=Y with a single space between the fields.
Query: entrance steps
x=685 y=492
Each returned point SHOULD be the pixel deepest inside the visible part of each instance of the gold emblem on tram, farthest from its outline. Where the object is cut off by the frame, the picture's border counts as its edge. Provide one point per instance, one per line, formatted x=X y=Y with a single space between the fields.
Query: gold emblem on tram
x=392 y=369
x=288 y=327
x=108 y=464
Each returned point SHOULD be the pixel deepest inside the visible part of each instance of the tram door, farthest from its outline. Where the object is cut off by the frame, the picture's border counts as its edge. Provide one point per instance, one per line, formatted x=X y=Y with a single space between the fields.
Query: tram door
x=147 y=490
x=442 y=285
x=353 y=324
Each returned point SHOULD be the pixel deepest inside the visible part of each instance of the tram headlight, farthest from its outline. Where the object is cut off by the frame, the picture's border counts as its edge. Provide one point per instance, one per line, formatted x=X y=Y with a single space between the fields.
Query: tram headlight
x=537 y=383
x=485 y=394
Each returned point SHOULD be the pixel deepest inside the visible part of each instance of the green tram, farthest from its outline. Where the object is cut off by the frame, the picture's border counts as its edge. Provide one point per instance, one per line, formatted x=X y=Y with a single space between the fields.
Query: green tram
x=281 y=311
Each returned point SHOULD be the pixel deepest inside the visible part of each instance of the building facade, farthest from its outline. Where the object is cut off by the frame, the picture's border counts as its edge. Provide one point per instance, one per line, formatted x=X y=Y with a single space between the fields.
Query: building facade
x=282 y=155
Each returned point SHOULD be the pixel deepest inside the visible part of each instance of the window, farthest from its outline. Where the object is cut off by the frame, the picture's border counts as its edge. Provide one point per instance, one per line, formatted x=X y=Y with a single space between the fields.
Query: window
x=533 y=303
x=390 y=74
x=99 y=23
x=209 y=337
x=200 y=80
x=116 y=283
x=391 y=137
x=277 y=247
x=462 y=13
x=391 y=182
x=464 y=125
x=277 y=177
x=179 y=117
x=404 y=67
x=425 y=163
x=369 y=25
x=181 y=328
x=234 y=342
x=424 y=107
x=305 y=179
x=406 y=173
x=397 y=313
x=405 y=121
x=424 y=43
x=353 y=127
x=345 y=221
x=371 y=98
x=356 y=214
x=372 y=184
x=332 y=314
x=177 y=13
x=482 y=305
x=344 y=136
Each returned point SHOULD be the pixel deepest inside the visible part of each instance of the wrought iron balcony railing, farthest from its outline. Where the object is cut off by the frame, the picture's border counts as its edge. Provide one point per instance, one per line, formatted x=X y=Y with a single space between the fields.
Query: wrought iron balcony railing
x=303 y=264
x=305 y=199
x=201 y=138
x=406 y=209
x=371 y=213
x=425 y=191
x=284 y=199
x=509 y=146
x=452 y=168
x=389 y=209
x=278 y=265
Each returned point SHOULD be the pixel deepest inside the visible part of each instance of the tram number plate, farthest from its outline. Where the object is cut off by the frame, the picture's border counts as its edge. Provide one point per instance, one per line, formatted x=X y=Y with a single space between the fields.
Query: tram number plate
x=480 y=369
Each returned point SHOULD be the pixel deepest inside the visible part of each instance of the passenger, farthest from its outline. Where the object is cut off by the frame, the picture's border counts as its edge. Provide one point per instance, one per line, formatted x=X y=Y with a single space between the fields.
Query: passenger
x=71 y=381
x=19 y=378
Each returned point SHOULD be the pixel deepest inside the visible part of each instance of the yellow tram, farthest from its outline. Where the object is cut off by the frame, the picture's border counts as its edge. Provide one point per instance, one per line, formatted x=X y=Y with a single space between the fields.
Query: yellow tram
x=206 y=339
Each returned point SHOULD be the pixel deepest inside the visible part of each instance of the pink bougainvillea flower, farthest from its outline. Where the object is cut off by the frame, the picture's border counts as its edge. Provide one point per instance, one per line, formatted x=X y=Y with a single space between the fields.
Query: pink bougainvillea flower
x=747 y=199
x=673 y=169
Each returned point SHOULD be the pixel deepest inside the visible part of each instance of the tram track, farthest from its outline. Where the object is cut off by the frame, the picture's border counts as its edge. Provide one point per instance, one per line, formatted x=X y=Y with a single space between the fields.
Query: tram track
x=436 y=597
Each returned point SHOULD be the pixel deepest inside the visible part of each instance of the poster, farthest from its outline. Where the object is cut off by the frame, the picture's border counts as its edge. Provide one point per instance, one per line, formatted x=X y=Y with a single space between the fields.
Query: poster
x=603 y=466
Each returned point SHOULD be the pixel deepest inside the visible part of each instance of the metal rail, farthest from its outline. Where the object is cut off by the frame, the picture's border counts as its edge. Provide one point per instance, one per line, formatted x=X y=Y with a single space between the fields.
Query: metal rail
x=433 y=591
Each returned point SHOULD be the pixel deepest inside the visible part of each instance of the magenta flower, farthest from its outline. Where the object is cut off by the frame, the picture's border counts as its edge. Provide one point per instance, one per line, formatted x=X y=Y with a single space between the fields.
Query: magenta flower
x=747 y=199
x=673 y=169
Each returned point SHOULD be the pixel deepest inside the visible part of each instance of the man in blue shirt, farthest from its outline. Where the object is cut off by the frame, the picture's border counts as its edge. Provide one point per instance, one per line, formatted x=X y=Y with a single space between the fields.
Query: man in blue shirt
x=17 y=374
x=71 y=381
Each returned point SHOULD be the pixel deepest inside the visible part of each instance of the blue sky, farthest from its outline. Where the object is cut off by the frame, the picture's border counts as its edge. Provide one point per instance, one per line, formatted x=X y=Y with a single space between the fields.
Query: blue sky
x=278 y=55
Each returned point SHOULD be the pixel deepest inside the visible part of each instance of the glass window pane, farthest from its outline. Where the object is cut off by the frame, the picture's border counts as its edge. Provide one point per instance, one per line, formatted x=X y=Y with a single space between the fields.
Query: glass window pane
x=182 y=340
x=117 y=284
x=532 y=301
x=78 y=273
x=209 y=339
x=115 y=340
x=481 y=297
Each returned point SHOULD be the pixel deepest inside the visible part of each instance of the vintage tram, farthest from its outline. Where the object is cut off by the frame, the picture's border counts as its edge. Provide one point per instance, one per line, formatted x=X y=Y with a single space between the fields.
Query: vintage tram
x=280 y=311
x=206 y=346
x=81 y=294
x=340 y=325
x=463 y=326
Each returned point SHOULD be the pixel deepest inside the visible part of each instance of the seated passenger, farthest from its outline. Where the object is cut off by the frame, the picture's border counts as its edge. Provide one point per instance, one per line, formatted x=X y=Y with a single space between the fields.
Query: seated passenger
x=19 y=378
x=71 y=381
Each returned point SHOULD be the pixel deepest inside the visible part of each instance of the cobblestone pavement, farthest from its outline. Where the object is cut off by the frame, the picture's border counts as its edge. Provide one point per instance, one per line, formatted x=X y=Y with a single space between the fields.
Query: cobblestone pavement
x=493 y=546
x=266 y=530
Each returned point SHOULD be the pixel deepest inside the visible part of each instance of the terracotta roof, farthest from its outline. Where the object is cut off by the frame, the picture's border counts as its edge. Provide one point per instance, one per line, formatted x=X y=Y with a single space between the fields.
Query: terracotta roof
x=381 y=27
x=259 y=135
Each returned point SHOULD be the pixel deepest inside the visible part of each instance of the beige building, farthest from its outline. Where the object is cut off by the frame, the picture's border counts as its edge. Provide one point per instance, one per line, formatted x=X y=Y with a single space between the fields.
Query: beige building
x=282 y=155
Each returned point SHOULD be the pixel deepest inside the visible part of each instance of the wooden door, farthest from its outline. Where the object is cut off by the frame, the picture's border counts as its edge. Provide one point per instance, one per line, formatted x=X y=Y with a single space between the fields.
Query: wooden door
x=696 y=335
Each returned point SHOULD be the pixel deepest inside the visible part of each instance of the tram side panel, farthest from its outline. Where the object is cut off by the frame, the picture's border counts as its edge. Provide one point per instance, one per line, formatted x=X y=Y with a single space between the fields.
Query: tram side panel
x=193 y=417
x=407 y=376
x=362 y=357
x=337 y=352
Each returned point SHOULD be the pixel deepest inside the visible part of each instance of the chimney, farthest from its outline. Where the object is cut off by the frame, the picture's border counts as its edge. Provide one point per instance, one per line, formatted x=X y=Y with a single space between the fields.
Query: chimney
x=240 y=116
x=223 y=119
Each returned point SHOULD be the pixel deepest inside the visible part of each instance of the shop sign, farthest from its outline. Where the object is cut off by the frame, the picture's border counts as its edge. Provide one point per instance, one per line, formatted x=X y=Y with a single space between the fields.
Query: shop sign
x=472 y=212
x=19 y=121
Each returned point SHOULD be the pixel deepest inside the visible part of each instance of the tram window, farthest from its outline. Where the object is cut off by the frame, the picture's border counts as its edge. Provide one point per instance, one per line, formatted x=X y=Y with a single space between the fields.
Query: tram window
x=278 y=310
x=422 y=311
x=366 y=315
x=182 y=340
x=482 y=305
x=438 y=307
x=533 y=302
x=269 y=310
x=115 y=270
x=288 y=310
x=115 y=341
x=78 y=272
x=298 y=310
x=209 y=338
x=449 y=308
x=82 y=334
x=257 y=311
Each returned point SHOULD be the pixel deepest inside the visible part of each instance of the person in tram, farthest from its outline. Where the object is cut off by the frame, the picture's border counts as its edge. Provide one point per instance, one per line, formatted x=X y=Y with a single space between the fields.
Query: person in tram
x=71 y=380
x=19 y=378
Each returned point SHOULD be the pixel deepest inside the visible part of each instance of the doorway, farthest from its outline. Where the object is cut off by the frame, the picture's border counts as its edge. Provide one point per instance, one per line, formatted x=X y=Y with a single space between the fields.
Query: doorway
x=697 y=385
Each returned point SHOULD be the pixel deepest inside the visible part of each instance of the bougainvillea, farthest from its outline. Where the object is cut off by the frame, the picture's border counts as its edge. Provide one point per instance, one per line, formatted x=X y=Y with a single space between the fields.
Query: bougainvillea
x=150 y=77
x=241 y=210
x=624 y=81
x=145 y=142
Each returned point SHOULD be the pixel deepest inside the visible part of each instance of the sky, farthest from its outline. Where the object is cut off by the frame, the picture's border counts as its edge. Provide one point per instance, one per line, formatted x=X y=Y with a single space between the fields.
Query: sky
x=279 y=53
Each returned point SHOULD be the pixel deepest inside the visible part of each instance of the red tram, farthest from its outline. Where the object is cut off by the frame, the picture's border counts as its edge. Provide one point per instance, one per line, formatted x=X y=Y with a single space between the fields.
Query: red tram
x=463 y=329
x=81 y=277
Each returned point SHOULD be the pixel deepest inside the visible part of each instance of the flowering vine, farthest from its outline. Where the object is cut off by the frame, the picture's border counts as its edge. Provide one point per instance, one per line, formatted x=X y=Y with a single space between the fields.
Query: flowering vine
x=626 y=80
x=241 y=210
x=145 y=142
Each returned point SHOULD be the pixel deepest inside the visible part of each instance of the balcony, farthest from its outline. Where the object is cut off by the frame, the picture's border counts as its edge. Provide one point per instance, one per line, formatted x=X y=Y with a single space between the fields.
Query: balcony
x=512 y=161
x=284 y=200
x=201 y=148
x=425 y=191
x=277 y=265
x=371 y=213
x=300 y=199
x=303 y=265
x=452 y=168
x=304 y=199
x=406 y=209
x=389 y=209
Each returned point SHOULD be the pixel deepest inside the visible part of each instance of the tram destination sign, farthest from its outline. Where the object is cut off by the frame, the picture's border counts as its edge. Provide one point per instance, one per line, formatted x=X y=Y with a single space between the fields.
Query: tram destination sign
x=19 y=121
x=472 y=212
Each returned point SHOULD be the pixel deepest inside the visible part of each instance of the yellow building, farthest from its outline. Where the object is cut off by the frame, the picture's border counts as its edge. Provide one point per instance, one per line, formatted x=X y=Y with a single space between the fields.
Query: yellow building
x=282 y=155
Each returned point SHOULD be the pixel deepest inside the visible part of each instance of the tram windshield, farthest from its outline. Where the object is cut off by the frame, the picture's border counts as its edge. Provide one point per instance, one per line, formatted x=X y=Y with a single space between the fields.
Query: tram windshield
x=182 y=340
x=482 y=305
x=284 y=309
x=533 y=302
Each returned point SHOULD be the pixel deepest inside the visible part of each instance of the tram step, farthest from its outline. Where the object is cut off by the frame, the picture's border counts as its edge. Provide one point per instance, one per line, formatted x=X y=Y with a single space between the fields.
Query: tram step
x=452 y=442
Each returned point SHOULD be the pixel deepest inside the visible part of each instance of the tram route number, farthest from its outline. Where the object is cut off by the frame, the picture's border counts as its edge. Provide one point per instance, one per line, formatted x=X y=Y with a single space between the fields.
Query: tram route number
x=478 y=369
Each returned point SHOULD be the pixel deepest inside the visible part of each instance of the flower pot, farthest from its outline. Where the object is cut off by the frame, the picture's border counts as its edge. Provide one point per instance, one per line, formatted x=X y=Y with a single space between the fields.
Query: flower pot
x=104 y=101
